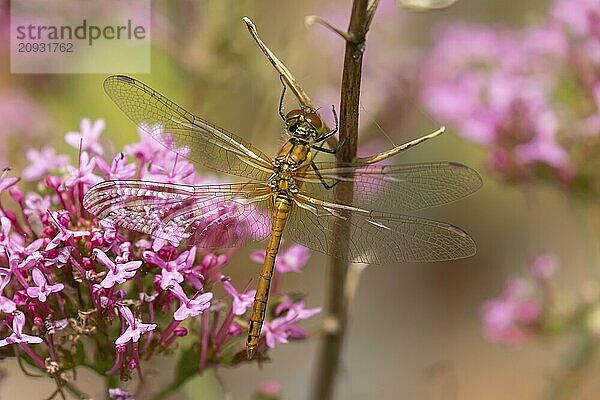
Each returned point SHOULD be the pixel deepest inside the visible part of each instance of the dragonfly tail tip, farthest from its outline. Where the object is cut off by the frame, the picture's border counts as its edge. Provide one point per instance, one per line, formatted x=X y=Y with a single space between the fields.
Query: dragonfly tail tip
x=250 y=351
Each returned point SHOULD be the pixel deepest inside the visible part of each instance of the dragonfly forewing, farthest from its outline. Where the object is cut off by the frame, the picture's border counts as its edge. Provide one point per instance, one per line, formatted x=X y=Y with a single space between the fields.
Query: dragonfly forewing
x=186 y=134
x=209 y=216
x=394 y=188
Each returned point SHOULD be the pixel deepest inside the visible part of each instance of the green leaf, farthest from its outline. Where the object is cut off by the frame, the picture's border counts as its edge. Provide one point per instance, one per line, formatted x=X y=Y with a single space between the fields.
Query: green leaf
x=187 y=365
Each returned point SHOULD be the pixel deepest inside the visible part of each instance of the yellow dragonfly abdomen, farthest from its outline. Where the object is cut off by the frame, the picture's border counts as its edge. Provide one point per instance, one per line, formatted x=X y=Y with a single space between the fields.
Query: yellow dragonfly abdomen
x=281 y=211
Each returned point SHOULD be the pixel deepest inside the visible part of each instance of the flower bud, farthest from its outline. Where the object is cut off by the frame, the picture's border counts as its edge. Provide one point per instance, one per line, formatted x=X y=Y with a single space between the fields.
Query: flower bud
x=133 y=363
x=180 y=331
x=53 y=182
x=16 y=194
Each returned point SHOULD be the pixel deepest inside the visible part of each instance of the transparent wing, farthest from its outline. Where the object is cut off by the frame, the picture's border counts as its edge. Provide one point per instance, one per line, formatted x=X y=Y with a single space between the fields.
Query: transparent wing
x=184 y=133
x=210 y=216
x=395 y=188
x=375 y=237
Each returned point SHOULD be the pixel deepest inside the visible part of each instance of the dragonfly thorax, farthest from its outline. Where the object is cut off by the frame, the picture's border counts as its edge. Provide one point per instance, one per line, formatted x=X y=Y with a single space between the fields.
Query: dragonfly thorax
x=292 y=155
x=291 y=159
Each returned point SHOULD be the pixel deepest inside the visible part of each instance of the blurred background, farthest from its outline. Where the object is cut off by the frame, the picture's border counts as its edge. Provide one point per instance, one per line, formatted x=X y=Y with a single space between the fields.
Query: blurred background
x=416 y=331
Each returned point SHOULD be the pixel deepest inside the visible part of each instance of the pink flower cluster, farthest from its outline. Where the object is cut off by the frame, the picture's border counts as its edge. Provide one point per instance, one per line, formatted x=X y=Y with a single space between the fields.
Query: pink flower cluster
x=520 y=310
x=530 y=96
x=66 y=276
x=534 y=306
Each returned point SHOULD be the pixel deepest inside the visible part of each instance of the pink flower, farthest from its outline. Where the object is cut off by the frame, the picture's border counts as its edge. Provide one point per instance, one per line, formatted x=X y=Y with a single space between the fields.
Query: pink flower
x=88 y=138
x=119 y=169
x=119 y=394
x=20 y=114
x=171 y=233
x=269 y=389
x=147 y=148
x=285 y=327
x=507 y=318
x=171 y=270
x=497 y=87
x=135 y=328
x=64 y=235
x=41 y=162
x=43 y=289
x=18 y=336
x=180 y=171
x=83 y=174
x=241 y=301
x=190 y=307
x=580 y=17
x=36 y=204
x=292 y=259
x=279 y=330
x=210 y=268
x=5 y=229
x=117 y=272
x=6 y=182
x=543 y=266
x=7 y=306
x=296 y=308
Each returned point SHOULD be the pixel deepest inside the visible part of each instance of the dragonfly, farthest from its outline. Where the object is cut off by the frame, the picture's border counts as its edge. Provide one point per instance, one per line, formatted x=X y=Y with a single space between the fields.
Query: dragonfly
x=288 y=196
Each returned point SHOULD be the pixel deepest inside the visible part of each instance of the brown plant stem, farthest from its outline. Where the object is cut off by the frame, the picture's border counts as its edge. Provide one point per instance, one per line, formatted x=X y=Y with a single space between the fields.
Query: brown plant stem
x=336 y=307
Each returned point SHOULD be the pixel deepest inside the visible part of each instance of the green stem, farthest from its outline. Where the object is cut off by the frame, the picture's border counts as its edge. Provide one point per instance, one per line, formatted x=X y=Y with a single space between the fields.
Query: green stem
x=579 y=356
x=77 y=393
x=565 y=383
x=110 y=382
x=174 y=387
x=586 y=217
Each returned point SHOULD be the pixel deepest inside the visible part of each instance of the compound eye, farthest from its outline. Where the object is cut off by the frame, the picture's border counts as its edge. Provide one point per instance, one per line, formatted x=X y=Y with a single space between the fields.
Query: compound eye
x=293 y=114
x=313 y=119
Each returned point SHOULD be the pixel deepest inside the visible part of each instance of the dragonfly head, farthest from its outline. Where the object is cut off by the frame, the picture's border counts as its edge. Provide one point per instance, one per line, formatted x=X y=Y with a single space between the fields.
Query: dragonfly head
x=303 y=123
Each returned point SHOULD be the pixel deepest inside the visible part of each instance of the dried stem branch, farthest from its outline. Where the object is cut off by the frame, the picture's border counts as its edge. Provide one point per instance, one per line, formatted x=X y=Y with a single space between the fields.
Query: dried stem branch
x=315 y=19
x=279 y=66
x=286 y=75
x=336 y=311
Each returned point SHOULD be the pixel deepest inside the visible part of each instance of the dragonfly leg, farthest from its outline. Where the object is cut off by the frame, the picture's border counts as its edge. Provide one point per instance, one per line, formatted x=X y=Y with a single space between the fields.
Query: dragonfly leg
x=316 y=169
x=281 y=112
x=332 y=151
x=392 y=152
x=332 y=132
